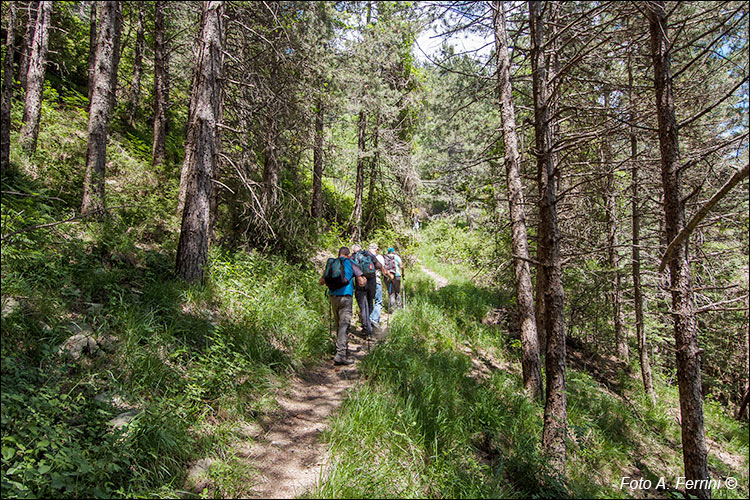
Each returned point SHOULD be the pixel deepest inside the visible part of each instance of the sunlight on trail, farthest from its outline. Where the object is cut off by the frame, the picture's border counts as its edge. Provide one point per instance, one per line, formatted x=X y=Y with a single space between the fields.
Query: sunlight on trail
x=440 y=282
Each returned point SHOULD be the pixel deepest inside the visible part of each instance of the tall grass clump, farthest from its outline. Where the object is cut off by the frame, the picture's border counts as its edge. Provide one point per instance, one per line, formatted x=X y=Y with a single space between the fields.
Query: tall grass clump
x=429 y=427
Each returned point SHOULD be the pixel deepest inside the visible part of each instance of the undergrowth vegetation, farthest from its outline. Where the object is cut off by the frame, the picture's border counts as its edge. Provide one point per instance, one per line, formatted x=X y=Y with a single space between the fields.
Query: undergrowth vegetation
x=171 y=369
x=170 y=373
x=426 y=425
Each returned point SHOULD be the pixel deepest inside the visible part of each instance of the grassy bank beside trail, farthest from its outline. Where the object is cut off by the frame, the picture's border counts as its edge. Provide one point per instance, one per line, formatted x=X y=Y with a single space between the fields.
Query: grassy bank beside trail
x=190 y=366
x=423 y=426
x=185 y=368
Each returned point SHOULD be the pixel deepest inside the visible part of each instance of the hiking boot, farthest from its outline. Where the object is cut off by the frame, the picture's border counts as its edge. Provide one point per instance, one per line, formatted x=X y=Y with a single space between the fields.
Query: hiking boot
x=339 y=362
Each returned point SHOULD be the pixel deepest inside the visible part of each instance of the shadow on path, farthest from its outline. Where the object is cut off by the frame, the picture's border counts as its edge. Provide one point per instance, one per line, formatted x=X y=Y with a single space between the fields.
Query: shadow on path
x=288 y=454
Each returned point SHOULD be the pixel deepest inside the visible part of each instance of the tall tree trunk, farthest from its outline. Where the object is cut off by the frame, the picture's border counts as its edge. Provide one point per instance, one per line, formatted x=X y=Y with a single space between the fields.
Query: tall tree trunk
x=32 y=10
x=105 y=79
x=541 y=277
x=201 y=147
x=7 y=92
x=531 y=364
x=270 y=164
x=686 y=335
x=742 y=409
x=160 y=88
x=92 y=51
x=648 y=382
x=373 y=171
x=32 y=110
x=356 y=228
x=115 y=58
x=135 y=87
x=555 y=408
x=613 y=258
x=317 y=187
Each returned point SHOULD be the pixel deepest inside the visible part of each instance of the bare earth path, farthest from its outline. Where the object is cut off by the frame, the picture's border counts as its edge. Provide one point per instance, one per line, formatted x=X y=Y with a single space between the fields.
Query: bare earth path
x=288 y=454
x=440 y=282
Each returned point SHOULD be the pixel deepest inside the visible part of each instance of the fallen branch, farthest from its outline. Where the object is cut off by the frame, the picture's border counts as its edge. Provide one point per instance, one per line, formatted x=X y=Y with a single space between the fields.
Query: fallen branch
x=721 y=303
x=57 y=223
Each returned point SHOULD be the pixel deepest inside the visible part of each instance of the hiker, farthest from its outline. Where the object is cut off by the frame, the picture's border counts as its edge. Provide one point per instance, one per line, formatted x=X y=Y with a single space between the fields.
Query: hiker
x=339 y=275
x=378 y=303
x=369 y=265
x=394 y=266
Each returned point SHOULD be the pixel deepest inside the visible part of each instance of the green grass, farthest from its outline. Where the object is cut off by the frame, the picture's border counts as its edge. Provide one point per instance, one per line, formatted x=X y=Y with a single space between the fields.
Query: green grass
x=422 y=426
x=200 y=362
x=193 y=361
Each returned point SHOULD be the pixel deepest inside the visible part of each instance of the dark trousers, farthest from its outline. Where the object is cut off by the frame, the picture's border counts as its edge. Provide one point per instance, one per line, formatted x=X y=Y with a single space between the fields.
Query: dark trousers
x=365 y=299
x=394 y=292
x=364 y=309
x=371 y=287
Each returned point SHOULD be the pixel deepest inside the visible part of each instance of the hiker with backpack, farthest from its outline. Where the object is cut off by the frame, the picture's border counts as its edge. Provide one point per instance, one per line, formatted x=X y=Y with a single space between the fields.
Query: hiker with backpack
x=378 y=301
x=395 y=267
x=365 y=296
x=340 y=275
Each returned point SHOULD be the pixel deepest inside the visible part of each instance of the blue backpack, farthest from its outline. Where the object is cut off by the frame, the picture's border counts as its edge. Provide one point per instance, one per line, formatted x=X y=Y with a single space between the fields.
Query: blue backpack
x=365 y=263
x=335 y=273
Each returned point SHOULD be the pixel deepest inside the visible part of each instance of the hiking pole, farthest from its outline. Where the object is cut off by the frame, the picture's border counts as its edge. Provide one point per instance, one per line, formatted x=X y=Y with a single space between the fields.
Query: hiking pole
x=330 y=313
x=388 y=321
x=403 y=292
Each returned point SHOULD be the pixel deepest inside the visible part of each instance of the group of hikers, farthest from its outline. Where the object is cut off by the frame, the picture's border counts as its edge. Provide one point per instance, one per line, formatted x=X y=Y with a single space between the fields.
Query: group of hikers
x=356 y=274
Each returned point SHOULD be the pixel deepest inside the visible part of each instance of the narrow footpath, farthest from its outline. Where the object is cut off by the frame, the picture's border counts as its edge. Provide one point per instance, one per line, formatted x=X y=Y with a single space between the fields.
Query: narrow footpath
x=287 y=452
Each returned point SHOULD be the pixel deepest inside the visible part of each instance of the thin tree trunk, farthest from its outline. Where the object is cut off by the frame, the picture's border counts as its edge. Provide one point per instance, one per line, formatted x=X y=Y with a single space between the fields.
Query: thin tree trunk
x=742 y=410
x=646 y=376
x=105 y=79
x=356 y=228
x=686 y=335
x=116 y=58
x=32 y=110
x=92 y=51
x=32 y=10
x=270 y=165
x=541 y=277
x=373 y=171
x=555 y=408
x=610 y=203
x=135 y=87
x=317 y=187
x=7 y=92
x=531 y=364
x=201 y=147
x=160 y=89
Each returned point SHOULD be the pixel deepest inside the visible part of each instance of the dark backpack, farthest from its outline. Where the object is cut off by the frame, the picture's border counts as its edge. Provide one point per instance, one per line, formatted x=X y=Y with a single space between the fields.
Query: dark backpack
x=335 y=273
x=365 y=263
x=390 y=263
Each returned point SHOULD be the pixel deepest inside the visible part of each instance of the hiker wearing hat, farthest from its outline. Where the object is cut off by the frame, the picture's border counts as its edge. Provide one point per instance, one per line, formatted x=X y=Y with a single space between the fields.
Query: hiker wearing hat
x=395 y=267
x=340 y=275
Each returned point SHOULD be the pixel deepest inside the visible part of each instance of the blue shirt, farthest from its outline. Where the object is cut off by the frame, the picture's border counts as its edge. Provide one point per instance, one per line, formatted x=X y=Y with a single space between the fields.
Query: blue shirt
x=397 y=273
x=350 y=271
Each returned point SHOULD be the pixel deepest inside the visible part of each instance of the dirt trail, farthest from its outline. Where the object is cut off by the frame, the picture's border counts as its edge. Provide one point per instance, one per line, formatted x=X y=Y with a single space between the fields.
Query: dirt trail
x=440 y=282
x=287 y=454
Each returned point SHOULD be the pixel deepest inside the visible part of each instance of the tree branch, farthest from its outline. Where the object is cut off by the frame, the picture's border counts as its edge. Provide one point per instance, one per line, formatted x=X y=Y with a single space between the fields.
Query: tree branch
x=736 y=178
